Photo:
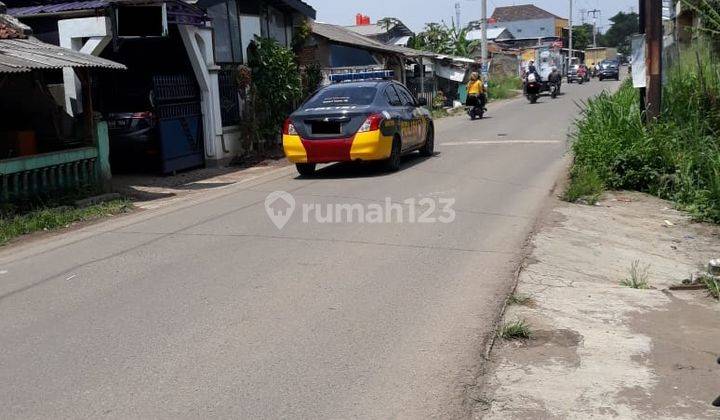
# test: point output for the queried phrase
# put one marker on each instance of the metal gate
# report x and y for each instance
(177, 104)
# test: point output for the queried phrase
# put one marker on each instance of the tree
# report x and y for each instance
(582, 36)
(709, 10)
(388, 23)
(624, 25)
(443, 39)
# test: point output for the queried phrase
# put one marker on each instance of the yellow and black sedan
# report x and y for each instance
(358, 120)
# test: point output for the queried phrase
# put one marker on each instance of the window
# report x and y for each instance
(405, 96)
(342, 96)
(519, 30)
(229, 101)
(226, 29)
(392, 96)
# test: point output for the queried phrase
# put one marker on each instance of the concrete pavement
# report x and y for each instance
(206, 309)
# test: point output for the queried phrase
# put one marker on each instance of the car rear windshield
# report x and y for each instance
(343, 96)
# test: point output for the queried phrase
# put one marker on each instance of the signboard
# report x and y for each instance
(637, 61)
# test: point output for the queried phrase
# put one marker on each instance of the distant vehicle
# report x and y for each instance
(363, 119)
(609, 70)
(533, 87)
(578, 73)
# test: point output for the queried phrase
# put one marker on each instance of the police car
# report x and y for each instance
(361, 117)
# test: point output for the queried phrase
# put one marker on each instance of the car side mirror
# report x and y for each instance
(422, 102)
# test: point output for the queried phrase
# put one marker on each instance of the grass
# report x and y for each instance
(503, 87)
(713, 285)
(585, 185)
(519, 299)
(438, 113)
(639, 276)
(52, 218)
(676, 157)
(516, 330)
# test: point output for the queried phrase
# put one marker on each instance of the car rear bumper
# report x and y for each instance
(362, 146)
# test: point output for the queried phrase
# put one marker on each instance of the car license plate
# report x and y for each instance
(117, 124)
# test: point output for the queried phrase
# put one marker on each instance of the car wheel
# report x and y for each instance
(306, 169)
(392, 164)
(429, 147)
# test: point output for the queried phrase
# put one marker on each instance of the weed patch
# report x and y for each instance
(52, 218)
(676, 157)
(585, 185)
(516, 330)
(639, 276)
(519, 299)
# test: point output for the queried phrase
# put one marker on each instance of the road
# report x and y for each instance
(206, 309)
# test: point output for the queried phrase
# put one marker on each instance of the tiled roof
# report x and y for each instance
(521, 12)
(24, 55)
(11, 28)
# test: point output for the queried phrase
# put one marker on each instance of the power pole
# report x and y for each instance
(651, 20)
(483, 42)
(594, 13)
(457, 14)
(570, 46)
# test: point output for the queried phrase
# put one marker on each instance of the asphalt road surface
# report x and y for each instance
(207, 309)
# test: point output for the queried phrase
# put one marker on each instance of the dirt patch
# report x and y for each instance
(600, 349)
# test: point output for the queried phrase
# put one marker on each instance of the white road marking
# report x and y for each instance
(71, 277)
(464, 143)
(3, 272)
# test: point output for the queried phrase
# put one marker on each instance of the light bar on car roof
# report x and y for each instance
(362, 75)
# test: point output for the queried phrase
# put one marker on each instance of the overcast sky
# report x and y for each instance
(415, 13)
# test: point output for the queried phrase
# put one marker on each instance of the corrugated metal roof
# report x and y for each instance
(342, 35)
(91, 5)
(345, 36)
(25, 11)
(24, 55)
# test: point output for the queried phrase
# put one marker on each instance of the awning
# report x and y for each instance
(25, 55)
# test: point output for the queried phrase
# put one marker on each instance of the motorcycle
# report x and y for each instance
(554, 90)
(532, 88)
(476, 107)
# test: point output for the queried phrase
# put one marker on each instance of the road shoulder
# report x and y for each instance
(601, 349)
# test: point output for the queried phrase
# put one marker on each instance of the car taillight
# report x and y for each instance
(372, 123)
(141, 115)
(289, 128)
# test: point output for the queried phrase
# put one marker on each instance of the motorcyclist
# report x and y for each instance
(555, 76)
(476, 92)
(532, 70)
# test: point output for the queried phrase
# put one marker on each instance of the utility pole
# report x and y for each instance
(483, 42)
(570, 46)
(594, 13)
(457, 14)
(651, 24)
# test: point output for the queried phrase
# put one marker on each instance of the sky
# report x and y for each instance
(415, 13)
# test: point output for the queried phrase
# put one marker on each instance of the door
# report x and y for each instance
(177, 105)
(418, 125)
(403, 115)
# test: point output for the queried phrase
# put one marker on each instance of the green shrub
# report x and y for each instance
(503, 87)
(676, 157)
(585, 184)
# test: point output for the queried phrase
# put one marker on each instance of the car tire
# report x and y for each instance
(428, 148)
(392, 164)
(306, 170)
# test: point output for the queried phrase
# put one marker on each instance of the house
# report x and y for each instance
(500, 34)
(394, 32)
(44, 151)
(528, 21)
(336, 49)
(170, 46)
